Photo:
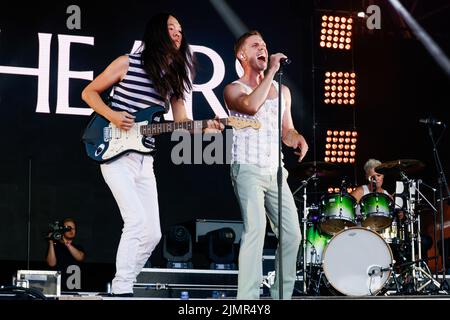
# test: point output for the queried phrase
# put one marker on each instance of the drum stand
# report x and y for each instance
(421, 278)
(316, 288)
(398, 286)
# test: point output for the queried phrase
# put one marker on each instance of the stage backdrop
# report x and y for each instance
(44, 65)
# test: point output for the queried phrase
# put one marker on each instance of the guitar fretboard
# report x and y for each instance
(191, 126)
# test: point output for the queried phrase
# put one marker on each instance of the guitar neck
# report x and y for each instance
(167, 127)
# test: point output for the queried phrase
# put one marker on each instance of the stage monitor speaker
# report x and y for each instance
(203, 226)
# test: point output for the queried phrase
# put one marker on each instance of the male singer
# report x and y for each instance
(254, 163)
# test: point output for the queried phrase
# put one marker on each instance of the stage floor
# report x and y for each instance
(96, 296)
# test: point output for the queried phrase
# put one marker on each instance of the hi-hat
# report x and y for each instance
(321, 169)
(402, 165)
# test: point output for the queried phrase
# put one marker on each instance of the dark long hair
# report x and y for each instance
(167, 67)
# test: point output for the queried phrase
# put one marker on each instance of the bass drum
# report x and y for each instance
(356, 262)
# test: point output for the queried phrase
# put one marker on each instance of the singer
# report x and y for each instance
(254, 164)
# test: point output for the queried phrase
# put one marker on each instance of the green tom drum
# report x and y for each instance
(376, 210)
(337, 211)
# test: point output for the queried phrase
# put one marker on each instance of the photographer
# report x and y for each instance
(64, 255)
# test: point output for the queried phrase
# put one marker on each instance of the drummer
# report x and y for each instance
(375, 184)
(375, 181)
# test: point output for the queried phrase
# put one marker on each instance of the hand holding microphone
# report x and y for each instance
(285, 61)
(278, 60)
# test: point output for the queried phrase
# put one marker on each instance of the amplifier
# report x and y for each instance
(47, 282)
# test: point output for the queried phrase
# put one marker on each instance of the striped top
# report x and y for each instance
(258, 147)
(136, 91)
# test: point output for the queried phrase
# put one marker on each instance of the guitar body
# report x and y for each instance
(105, 142)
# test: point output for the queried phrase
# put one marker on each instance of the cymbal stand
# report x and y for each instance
(419, 274)
(303, 186)
(435, 225)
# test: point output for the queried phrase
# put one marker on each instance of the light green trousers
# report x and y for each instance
(257, 194)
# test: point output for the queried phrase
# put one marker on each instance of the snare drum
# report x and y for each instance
(376, 210)
(337, 211)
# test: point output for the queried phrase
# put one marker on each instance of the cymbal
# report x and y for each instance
(404, 165)
(320, 168)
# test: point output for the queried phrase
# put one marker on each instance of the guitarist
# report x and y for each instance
(254, 165)
(158, 75)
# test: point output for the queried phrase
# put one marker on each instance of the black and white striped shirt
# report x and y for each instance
(136, 91)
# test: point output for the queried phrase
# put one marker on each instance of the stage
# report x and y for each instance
(363, 86)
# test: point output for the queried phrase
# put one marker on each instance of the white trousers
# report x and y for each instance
(133, 185)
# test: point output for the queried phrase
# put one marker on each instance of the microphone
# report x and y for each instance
(285, 61)
(344, 184)
(373, 181)
(377, 270)
(432, 121)
(420, 181)
(374, 271)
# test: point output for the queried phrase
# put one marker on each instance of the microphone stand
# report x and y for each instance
(280, 189)
(29, 213)
(442, 181)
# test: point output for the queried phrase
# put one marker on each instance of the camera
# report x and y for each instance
(57, 230)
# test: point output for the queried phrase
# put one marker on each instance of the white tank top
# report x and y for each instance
(258, 147)
(367, 191)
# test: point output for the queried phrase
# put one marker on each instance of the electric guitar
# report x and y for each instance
(105, 142)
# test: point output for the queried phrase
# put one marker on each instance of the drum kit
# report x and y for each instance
(370, 247)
